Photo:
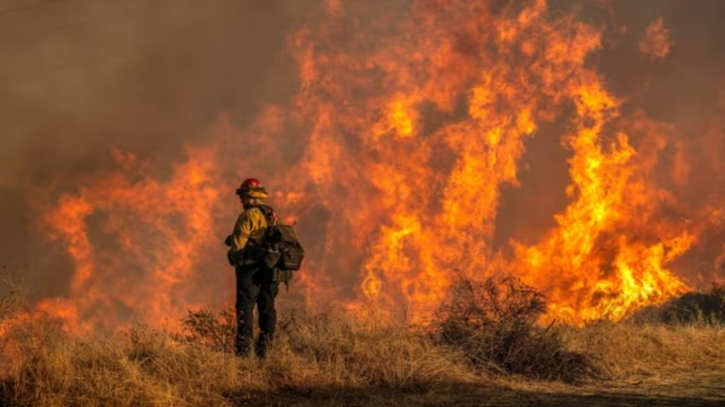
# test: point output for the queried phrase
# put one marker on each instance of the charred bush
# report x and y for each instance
(494, 323)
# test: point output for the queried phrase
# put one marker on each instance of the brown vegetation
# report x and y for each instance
(314, 353)
(495, 325)
(483, 345)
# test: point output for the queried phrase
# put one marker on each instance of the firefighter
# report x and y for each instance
(255, 283)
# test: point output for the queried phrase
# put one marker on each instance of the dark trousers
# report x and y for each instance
(254, 286)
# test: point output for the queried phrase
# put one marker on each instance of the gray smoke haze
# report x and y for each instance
(83, 75)
(79, 77)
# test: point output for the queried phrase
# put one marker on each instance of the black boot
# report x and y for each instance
(243, 345)
(264, 343)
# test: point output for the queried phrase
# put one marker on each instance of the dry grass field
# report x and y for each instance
(326, 360)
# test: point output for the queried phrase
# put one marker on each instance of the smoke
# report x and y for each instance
(81, 77)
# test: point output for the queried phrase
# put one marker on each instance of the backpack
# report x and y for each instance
(278, 248)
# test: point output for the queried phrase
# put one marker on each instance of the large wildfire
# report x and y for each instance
(407, 158)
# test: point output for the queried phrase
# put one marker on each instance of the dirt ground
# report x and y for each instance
(701, 390)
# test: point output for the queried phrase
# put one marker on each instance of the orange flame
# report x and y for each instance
(408, 126)
(144, 247)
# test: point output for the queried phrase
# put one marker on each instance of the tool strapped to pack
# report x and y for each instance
(278, 247)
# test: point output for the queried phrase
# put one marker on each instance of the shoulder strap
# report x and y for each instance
(268, 213)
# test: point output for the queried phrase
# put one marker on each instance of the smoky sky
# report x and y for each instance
(78, 77)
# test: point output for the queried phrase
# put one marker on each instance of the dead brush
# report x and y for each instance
(494, 323)
(209, 328)
(696, 308)
(707, 308)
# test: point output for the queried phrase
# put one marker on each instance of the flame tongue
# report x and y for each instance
(593, 265)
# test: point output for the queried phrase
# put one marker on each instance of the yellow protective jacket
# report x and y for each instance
(251, 222)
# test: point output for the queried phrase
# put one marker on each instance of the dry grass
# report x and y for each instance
(147, 367)
(143, 370)
(651, 350)
(321, 359)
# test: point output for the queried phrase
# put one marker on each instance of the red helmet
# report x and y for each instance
(250, 183)
(251, 187)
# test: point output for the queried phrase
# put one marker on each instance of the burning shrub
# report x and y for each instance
(494, 324)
